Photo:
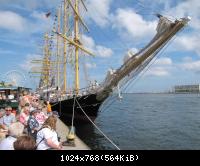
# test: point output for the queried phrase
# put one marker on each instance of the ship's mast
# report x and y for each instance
(73, 41)
(76, 39)
(65, 45)
(58, 48)
(46, 60)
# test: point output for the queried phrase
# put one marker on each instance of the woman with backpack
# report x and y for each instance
(47, 137)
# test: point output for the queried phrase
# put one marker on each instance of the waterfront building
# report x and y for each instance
(187, 88)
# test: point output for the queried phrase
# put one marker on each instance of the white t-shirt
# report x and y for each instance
(8, 119)
(7, 143)
(45, 134)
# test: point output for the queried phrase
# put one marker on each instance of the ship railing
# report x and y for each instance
(92, 89)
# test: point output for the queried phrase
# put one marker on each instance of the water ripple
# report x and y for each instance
(149, 122)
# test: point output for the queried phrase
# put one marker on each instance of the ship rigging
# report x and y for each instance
(59, 74)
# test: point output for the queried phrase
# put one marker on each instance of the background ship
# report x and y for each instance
(62, 50)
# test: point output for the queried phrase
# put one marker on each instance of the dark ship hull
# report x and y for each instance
(89, 104)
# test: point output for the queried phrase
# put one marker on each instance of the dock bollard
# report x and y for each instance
(70, 138)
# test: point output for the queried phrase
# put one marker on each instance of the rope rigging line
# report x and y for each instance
(142, 6)
(137, 77)
(151, 11)
(105, 103)
(73, 112)
(111, 100)
(116, 96)
(148, 67)
(60, 107)
(97, 127)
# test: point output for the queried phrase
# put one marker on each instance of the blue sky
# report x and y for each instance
(115, 27)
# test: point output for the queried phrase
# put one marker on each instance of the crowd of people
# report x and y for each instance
(31, 127)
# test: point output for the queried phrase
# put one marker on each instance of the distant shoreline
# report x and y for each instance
(158, 93)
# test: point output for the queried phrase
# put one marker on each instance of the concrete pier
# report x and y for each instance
(63, 131)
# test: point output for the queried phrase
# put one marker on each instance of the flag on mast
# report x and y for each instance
(48, 14)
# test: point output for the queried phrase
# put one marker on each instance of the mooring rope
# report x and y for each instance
(73, 112)
(98, 127)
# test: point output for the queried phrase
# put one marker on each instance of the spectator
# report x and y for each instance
(33, 124)
(2, 130)
(15, 130)
(24, 116)
(41, 117)
(35, 102)
(24, 99)
(48, 107)
(2, 112)
(8, 118)
(24, 143)
(47, 137)
(22, 108)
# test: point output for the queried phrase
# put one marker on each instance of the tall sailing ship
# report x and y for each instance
(63, 49)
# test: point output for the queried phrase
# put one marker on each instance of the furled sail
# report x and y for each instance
(166, 29)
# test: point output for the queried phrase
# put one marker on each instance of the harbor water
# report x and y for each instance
(147, 122)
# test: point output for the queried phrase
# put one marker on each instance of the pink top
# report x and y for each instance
(41, 117)
(23, 118)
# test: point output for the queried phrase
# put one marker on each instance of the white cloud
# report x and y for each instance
(191, 66)
(99, 11)
(187, 8)
(98, 50)
(161, 67)
(103, 51)
(40, 23)
(188, 39)
(128, 21)
(164, 61)
(157, 71)
(165, 67)
(27, 65)
(39, 15)
(88, 42)
(91, 65)
(12, 21)
(30, 4)
(188, 42)
(187, 59)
